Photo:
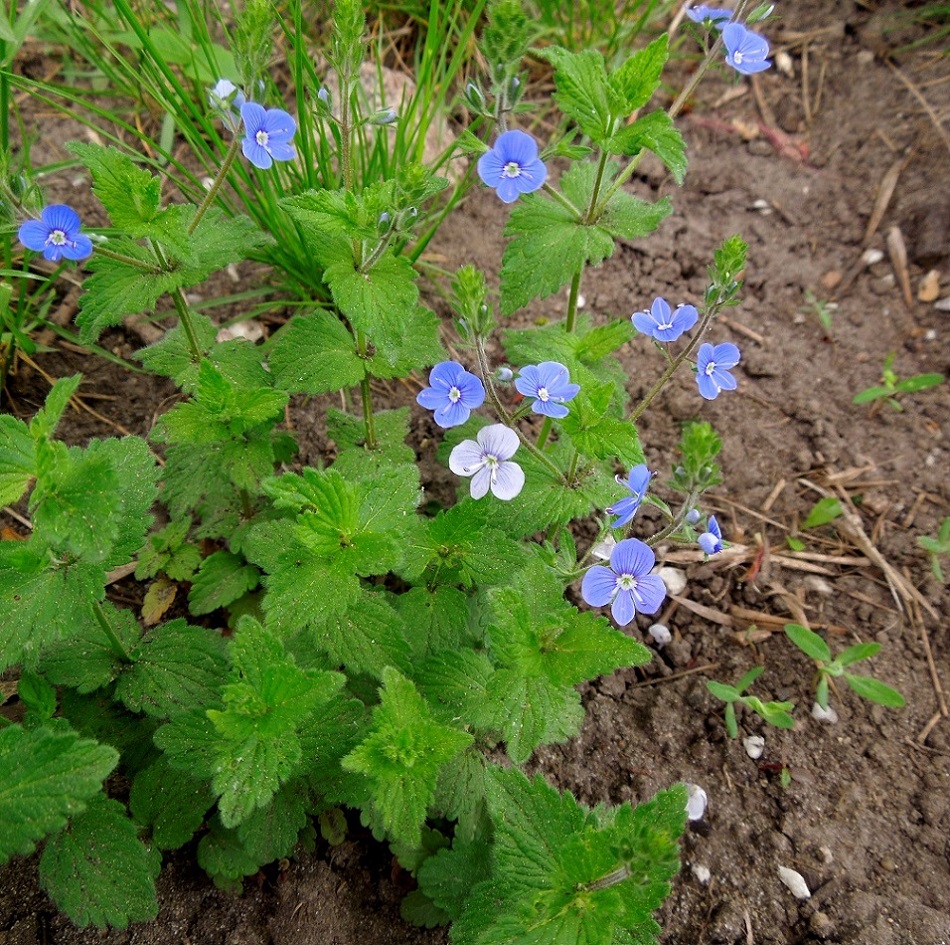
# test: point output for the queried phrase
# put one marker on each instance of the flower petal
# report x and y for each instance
(517, 146)
(528, 381)
(507, 189)
(253, 116)
(708, 388)
(491, 168)
(623, 609)
(644, 322)
(649, 593)
(58, 216)
(599, 586)
(447, 372)
(465, 458)
(532, 176)
(499, 440)
(638, 480)
(626, 508)
(279, 125)
(684, 317)
(431, 398)
(509, 481)
(632, 556)
(481, 482)
(726, 355)
(451, 415)
(550, 409)
(257, 155)
(281, 151)
(80, 248)
(724, 380)
(33, 235)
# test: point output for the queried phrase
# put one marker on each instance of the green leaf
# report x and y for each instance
(168, 550)
(808, 642)
(547, 248)
(597, 435)
(268, 698)
(170, 802)
(657, 133)
(391, 427)
(582, 90)
(17, 459)
(222, 579)
(43, 425)
(402, 757)
(860, 651)
(630, 218)
(875, 691)
(132, 196)
(48, 776)
(438, 617)
(189, 742)
(174, 667)
(222, 855)
(98, 871)
(449, 877)
(824, 511)
(749, 677)
(271, 832)
(315, 354)
(633, 84)
(455, 684)
(172, 356)
(919, 382)
(723, 691)
(42, 600)
(87, 660)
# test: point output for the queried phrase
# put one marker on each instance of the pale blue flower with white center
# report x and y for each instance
(746, 52)
(663, 323)
(627, 584)
(711, 539)
(712, 369)
(512, 166)
(637, 482)
(549, 383)
(704, 14)
(56, 234)
(267, 135)
(453, 393)
(487, 459)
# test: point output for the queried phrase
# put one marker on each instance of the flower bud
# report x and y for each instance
(693, 516)
(504, 374)
(385, 116)
(475, 97)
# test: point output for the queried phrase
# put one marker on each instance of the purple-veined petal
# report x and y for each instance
(549, 408)
(638, 480)
(709, 543)
(281, 151)
(491, 168)
(644, 322)
(58, 216)
(448, 372)
(622, 609)
(501, 441)
(33, 235)
(684, 317)
(532, 176)
(724, 380)
(253, 115)
(517, 146)
(256, 154)
(431, 398)
(599, 586)
(81, 247)
(509, 481)
(472, 390)
(708, 388)
(632, 556)
(507, 189)
(279, 125)
(625, 509)
(481, 482)
(465, 458)
(649, 593)
(528, 381)
(726, 355)
(451, 415)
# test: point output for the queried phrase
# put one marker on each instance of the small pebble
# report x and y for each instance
(696, 802)
(795, 882)
(603, 548)
(783, 62)
(871, 257)
(821, 926)
(701, 873)
(943, 305)
(824, 715)
(660, 633)
(754, 746)
(674, 579)
(929, 290)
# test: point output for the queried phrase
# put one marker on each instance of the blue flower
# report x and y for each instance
(626, 508)
(627, 584)
(267, 134)
(549, 384)
(453, 393)
(711, 539)
(486, 460)
(712, 369)
(701, 14)
(512, 166)
(56, 234)
(662, 323)
(746, 51)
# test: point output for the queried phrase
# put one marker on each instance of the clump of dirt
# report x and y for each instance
(861, 809)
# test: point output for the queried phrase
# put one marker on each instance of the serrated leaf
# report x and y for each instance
(223, 857)
(597, 435)
(172, 356)
(455, 684)
(657, 133)
(633, 84)
(415, 345)
(391, 428)
(42, 600)
(271, 832)
(189, 742)
(43, 425)
(222, 579)
(630, 218)
(48, 776)
(168, 550)
(449, 877)
(175, 666)
(580, 80)
(438, 618)
(402, 757)
(17, 459)
(87, 660)
(170, 802)
(315, 354)
(98, 871)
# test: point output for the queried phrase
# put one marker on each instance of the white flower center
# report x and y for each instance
(455, 395)
(626, 582)
(57, 238)
(710, 368)
(737, 57)
(543, 395)
(262, 137)
(664, 326)
(512, 169)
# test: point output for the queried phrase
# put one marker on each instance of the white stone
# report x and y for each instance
(871, 256)
(696, 802)
(795, 882)
(603, 548)
(660, 633)
(754, 746)
(943, 305)
(783, 62)
(674, 579)
(701, 873)
(824, 715)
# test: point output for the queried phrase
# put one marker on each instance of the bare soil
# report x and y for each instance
(795, 167)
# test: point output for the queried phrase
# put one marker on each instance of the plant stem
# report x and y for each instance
(100, 250)
(570, 321)
(611, 879)
(115, 644)
(677, 522)
(544, 433)
(216, 184)
(181, 307)
(369, 422)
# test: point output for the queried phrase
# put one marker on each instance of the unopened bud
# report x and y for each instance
(383, 221)
(504, 374)
(475, 96)
(385, 116)
(693, 516)
(324, 96)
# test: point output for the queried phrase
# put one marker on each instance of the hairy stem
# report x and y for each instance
(575, 291)
(215, 185)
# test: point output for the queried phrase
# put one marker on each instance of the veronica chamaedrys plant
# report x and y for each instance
(549, 386)
(663, 323)
(487, 459)
(627, 584)
(268, 135)
(512, 166)
(713, 369)
(56, 234)
(453, 393)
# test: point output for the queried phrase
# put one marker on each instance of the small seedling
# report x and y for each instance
(775, 713)
(823, 311)
(892, 386)
(867, 687)
(936, 547)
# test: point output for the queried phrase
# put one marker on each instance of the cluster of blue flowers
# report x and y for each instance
(746, 51)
